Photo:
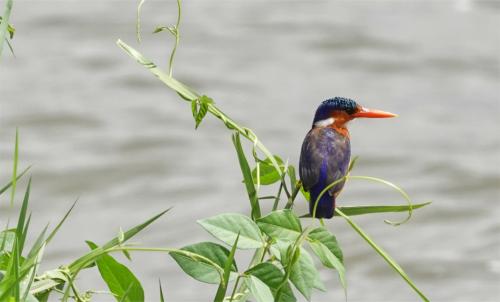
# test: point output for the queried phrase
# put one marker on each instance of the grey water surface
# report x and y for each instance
(97, 126)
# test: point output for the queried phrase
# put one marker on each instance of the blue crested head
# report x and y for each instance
(328, 106)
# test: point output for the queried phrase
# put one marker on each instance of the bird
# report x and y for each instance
(326, 151)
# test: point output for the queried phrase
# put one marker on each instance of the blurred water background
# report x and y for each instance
(99, 127)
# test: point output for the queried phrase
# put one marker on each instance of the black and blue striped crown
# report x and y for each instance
(334, 104)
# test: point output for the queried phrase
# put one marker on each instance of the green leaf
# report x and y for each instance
(281, 225)
(83, 261)
(16, 154)
(7, 186)
(259, 289)
(162, 299)
(318, 284)
(202, 270)
(4, 25)
(303, 274)
(267, 172)
(328, 259)
(247, 177)
(279, 249)
(194, 108)
(352, 163)
(382, 253)
(226, 228)
(132, 232)
(120, 280)
(61, 222)
(202, 108)
(221, 291)
(10, 29)
(22, 227)
(43, 297)
(325, 246)
(273, 277)
(7, 238)
(361, 210)
(323, 236)
(35, 256)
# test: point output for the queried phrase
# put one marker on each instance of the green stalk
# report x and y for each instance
(190, 95)
(138, 21)
(234, 288)
(382, 253)
(84, 261)
(375, 179)
(177, 39)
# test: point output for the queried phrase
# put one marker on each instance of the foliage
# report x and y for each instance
(283, 244)
(6, 30)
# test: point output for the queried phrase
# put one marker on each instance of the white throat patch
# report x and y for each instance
(325, 123)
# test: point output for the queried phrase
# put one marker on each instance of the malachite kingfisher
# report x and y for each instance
(326, 151)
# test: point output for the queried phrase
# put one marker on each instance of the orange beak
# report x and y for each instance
(372, 113)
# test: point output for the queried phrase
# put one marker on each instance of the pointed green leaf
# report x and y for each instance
(226, 227)
(247, 177)
(84, 260)
(120, 280)
(303, 274)
(194, 108)
(10, 29)
(273, 277)
(318, 284)
(326, 238)
(329, 260)
(16, 154)
(162, 299)
(7, 238)
(267, 172)
(7, 186)
(281, 225)
(61, 222)
(221, 291)
(259, 289)
(325, 246)
(199, 269)
(22, 227)
(203, 102)
(361, 210)
(131, 232)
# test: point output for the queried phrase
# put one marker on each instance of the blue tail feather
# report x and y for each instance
(326, 205)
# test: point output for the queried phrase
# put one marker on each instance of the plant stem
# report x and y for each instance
(295, 192)
(177, 39)
(277, 200)
(189, 94)
(234, 288)
(382, 253)
(266, 248)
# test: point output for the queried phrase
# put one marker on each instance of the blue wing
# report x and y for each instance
(324, 158)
